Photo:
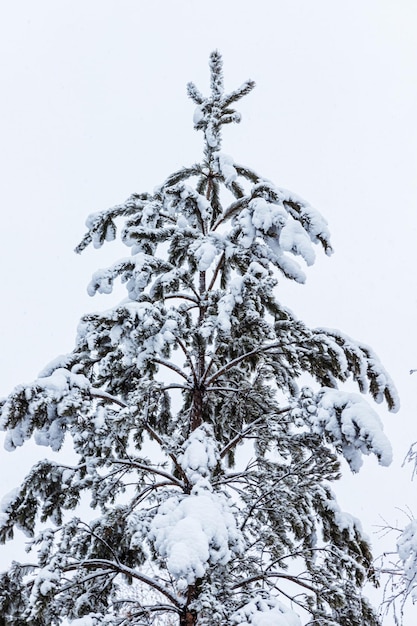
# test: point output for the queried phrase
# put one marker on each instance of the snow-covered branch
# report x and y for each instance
(127, 571)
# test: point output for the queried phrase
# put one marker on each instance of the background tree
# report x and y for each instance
(400, 564)
(232, 520)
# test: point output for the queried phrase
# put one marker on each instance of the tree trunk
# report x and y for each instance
(189, 618)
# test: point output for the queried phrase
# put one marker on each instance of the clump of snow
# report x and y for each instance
(265, 215)
(212, 135)
(281, 231)
(6, 504)
(226, 168)
(247, 227)
(62, 380)
(293, 238)
(288, 266)
(265, 612)
(228, 302)
(199, 113)
(182, 222)
(200, 454)
(8, 499)
(349, 422)
(205, 253)
(407, 551)
(195, 531)
(313, 222)
(45, 582)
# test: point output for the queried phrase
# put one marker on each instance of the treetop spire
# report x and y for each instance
(212, 112)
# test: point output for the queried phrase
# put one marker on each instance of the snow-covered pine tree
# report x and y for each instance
(233, 522)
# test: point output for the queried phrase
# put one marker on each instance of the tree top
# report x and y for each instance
(214, 111)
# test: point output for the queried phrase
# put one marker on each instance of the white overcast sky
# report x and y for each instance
(93, 107)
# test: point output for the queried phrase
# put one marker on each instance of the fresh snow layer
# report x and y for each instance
(265, 612)
(195, 531)
(407, 551)
(349, 421)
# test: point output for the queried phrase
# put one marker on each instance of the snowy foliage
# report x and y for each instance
(233, 521)
(401, 564)
(407, 551)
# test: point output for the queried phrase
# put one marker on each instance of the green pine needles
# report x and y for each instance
(206, 461)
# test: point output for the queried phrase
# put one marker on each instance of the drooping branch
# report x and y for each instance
(127, 571)
(234, 208)
(97, 393)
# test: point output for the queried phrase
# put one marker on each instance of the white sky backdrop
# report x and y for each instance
(93, 108)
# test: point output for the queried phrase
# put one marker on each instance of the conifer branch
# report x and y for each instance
(127, 571)
(295, 579)
(153, 434)
(98, 393)
(188, 359)
(85, 579)
(234, 208)
(216, 271)
(233, 442)
(172, 367)
(194, 94)
(237, 94)
(238, 360)
(181, 296)
(150, 469)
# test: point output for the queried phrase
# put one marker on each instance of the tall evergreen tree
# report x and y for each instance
(233, 521)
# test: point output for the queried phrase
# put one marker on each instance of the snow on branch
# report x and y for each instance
(264, 610)
(101, 225)
(43, 409)
(347, 421)
(212, 112)
(361, 362)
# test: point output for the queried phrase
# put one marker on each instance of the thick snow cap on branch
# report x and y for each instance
(199, 530)
(349, 422)
(265, 612)
(54, 394)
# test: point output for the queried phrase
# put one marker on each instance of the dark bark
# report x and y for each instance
(189, 617)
